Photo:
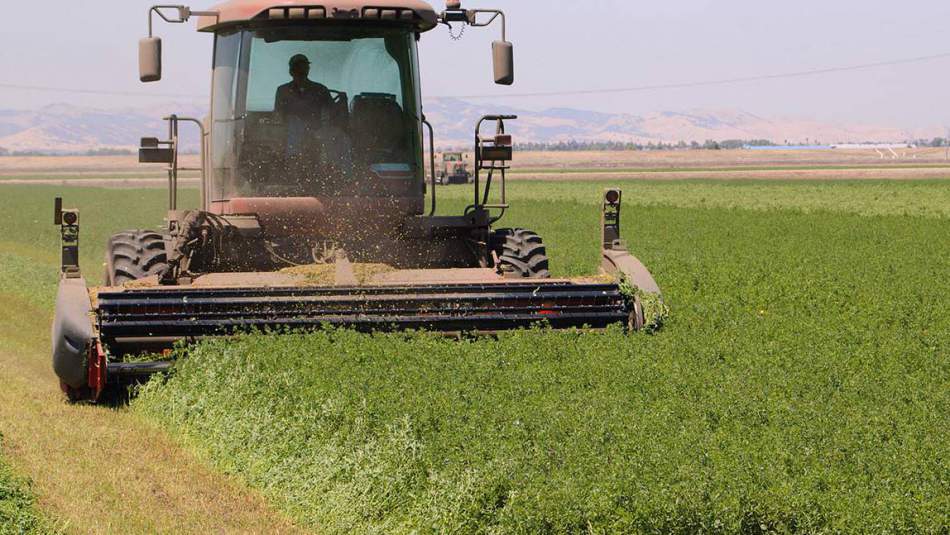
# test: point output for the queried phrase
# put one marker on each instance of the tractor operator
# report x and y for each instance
(317, 150)
(301, 104)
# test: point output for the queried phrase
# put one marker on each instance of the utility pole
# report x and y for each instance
(946, 143)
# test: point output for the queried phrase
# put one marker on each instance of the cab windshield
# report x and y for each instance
(315, 111)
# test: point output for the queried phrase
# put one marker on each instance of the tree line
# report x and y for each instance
(709, 144)
(573, 145)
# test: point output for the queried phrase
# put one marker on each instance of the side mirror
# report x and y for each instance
(503, 59)
(150, 59)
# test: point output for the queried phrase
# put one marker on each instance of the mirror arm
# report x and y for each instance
(470, 17)
(495, 13)
(184, 14)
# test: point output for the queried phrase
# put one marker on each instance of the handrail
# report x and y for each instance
(431, 161)
(173, 168)
(499, 129)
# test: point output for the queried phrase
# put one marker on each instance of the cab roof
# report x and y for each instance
(415, 12)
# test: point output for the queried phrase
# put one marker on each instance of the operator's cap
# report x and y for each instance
(297, 59)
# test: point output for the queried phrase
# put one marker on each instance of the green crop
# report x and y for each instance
(655, 310)
(798, 385)
(929, 198)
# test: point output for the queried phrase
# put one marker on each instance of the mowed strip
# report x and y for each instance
(18, 512)
(96, 469)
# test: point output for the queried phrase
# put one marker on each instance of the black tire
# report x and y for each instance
(133, 255)
(521, 254)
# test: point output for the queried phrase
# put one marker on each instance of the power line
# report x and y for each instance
(706, 83)
(102, 92)
(633, 89)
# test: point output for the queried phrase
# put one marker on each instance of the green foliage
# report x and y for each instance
(655, 310)
(799, 385)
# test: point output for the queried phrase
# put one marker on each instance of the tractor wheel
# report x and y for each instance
(133, 255)
(521, 254)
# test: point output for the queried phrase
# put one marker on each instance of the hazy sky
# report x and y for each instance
(559, 46)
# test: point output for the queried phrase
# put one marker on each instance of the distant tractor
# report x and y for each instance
(454, 169)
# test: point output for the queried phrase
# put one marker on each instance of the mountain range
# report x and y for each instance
(64, 128)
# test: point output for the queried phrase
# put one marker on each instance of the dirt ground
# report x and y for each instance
(880, 173)
(80, 165)
(670, 159)
(120, 181)
(730, 158)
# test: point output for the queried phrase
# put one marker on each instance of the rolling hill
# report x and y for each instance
(64, 128)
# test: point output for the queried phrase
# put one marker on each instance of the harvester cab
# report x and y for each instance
(316, 208)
